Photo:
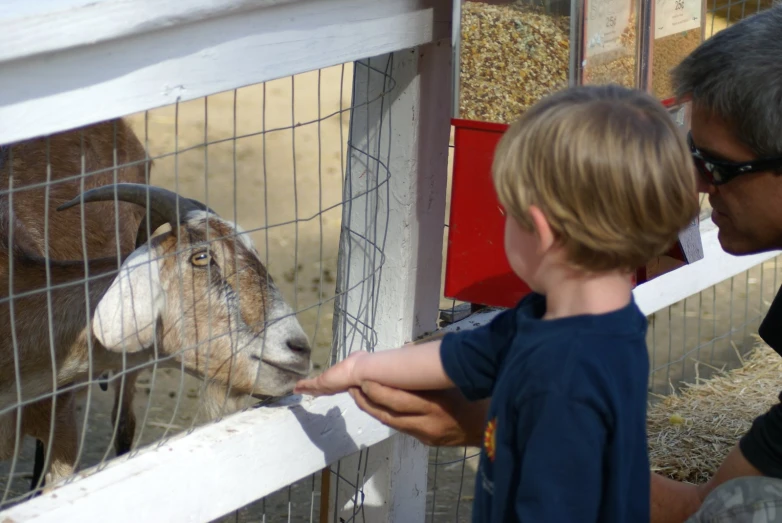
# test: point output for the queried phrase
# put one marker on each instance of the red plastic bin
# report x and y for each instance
(476, 269)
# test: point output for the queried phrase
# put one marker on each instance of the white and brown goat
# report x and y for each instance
(196, 297)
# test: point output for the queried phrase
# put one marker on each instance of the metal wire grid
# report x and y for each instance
(710, 330)
(366, 176)
(225, 150)
(723, 13)
(700, 335)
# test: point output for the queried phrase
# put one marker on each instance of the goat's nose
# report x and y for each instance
(299, 345)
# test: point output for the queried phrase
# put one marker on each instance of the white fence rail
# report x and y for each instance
(66, 64)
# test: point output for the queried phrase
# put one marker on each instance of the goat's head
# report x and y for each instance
(201, 292)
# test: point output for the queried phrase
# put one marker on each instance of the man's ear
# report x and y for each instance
(542, 229)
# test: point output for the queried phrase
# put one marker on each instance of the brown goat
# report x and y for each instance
(60, 167)
(196, 297)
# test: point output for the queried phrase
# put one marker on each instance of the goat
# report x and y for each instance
(52, 165)
(198, 296)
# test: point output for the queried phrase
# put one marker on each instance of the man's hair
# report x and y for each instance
(737, 75)
(607, 166)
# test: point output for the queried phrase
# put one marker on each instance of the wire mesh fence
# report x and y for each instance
(352, 327)
(723, 13)
(269, 158)
(711, 330)
(279, 160)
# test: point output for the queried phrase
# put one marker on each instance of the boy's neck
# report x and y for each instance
(572, 294)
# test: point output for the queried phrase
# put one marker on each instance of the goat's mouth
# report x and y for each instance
(298, 372)
(265, 398)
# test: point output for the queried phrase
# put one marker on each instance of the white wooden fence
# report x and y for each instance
(65, 63)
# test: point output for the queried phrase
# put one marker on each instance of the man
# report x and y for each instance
(734, 81)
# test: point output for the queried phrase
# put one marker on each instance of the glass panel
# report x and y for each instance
(610, 42)
(511, 53)
(678, 29)
(724, 13)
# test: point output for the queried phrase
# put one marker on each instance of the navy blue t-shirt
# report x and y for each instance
(565, 438)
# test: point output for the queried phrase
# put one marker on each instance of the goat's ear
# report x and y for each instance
(126, 316)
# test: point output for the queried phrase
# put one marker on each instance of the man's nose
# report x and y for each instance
(702, 184)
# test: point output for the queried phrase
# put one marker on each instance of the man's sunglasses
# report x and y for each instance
(718, 172)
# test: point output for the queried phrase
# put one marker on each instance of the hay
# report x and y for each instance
(690, 433)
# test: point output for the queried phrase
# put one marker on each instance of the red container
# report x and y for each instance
(476, 269)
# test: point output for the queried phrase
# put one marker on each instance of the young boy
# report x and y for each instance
(594, 182)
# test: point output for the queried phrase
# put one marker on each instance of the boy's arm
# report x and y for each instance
(467, 360)
(412, 367)
(561, 469)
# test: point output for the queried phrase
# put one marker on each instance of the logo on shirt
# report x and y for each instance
(489, 438)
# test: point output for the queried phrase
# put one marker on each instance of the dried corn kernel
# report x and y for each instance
(511, 56)
(514, 54)
(666, 54)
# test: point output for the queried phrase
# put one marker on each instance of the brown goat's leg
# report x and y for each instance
(122, 414)
(40, 459)
(65, 443)
(35, 422)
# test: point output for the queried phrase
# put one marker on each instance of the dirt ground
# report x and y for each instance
(284, 186)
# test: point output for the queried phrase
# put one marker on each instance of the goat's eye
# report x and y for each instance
(201, 259)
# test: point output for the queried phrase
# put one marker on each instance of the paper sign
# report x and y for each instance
(679, 115)
(676, 16)
(690, 242)
(605, 21)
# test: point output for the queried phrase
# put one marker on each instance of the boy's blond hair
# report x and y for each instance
(609, 169)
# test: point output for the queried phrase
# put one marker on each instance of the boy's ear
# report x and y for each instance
(542, 228)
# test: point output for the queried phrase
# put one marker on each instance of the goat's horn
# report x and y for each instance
(162, 204)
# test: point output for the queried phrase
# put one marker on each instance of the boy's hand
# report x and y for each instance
(334, 380)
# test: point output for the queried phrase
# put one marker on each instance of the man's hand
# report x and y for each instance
(673, 501)
(436, 418)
